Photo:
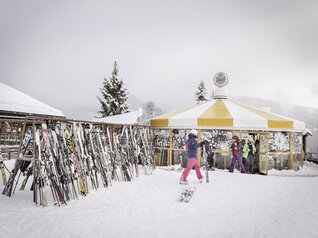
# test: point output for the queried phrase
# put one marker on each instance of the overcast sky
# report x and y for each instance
(59, 51)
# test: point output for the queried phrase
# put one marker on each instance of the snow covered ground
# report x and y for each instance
(231, 205)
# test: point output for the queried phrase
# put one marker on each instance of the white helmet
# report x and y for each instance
(194, 132)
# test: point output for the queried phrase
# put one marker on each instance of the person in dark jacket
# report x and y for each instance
(192, 148)
(209, 154)
(237, 152)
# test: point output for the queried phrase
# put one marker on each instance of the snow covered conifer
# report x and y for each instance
(201, 93)
(150, 110)
(114, 95)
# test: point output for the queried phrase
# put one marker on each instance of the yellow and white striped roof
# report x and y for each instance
(226, 114)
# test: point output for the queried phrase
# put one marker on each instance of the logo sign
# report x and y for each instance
(220, 79)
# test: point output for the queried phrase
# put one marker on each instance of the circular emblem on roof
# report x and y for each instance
(220, 79)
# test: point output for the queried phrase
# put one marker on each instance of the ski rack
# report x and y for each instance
(70, 157)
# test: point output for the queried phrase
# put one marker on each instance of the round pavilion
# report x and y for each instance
(278, 139)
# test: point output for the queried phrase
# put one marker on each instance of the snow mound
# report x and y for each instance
(310, 169)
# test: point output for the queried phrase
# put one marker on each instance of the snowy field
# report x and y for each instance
(231, 205)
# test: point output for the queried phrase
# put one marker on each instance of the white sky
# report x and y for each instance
(59, 51)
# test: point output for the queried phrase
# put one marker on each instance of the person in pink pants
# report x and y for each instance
(192, 148)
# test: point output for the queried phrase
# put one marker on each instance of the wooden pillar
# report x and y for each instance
(34, 162)
(170, 148)
(259, 152)
(199, 149)
(291, 164)
(22, 136)
(231, 151)
(111, 136)
(267, 152)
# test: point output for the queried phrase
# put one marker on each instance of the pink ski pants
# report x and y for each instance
(186, 171)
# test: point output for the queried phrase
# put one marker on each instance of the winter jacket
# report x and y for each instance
(192, 146)
(252, 147)
(249, 148)
(237, 148)
(246, 150)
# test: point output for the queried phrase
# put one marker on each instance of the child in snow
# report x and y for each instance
(192, 148)
(237, 150)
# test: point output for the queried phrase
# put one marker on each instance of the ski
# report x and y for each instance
(205, 164)
(103, 159)
(28, 173)
(3, 173)
(135, 150)
(10, 187)
(42, 180)
(187, 193)
(79, 172)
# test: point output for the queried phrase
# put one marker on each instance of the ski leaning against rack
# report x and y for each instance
(187, 193)
(28, 173)
(9, 187)
(205, 164)
(41, 183)
(3, 173)
(104, 159)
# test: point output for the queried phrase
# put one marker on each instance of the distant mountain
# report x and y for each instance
(308, 115)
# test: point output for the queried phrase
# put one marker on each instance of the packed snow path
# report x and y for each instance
(231, 205)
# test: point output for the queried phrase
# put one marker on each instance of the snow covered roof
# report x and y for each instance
(307, 132)
(226, 114)
(129, 118)
(12, 100)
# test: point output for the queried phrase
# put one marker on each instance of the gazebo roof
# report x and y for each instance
(226, 114)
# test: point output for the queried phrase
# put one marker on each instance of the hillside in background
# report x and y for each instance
(308, 115)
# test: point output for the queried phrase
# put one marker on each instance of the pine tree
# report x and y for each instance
(114, 95)
(201, 93)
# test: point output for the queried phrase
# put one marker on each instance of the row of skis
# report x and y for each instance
(71, 159)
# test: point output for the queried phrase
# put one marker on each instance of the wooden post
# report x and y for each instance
(291, 162)
(267, 152)
(259, 153)
(170, 148)
(22, 136)
(34, 162)
(111, 136)
(199, 149)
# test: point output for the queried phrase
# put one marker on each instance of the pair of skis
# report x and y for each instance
(187, 193)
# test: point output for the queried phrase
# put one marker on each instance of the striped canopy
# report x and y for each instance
(226, 114)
